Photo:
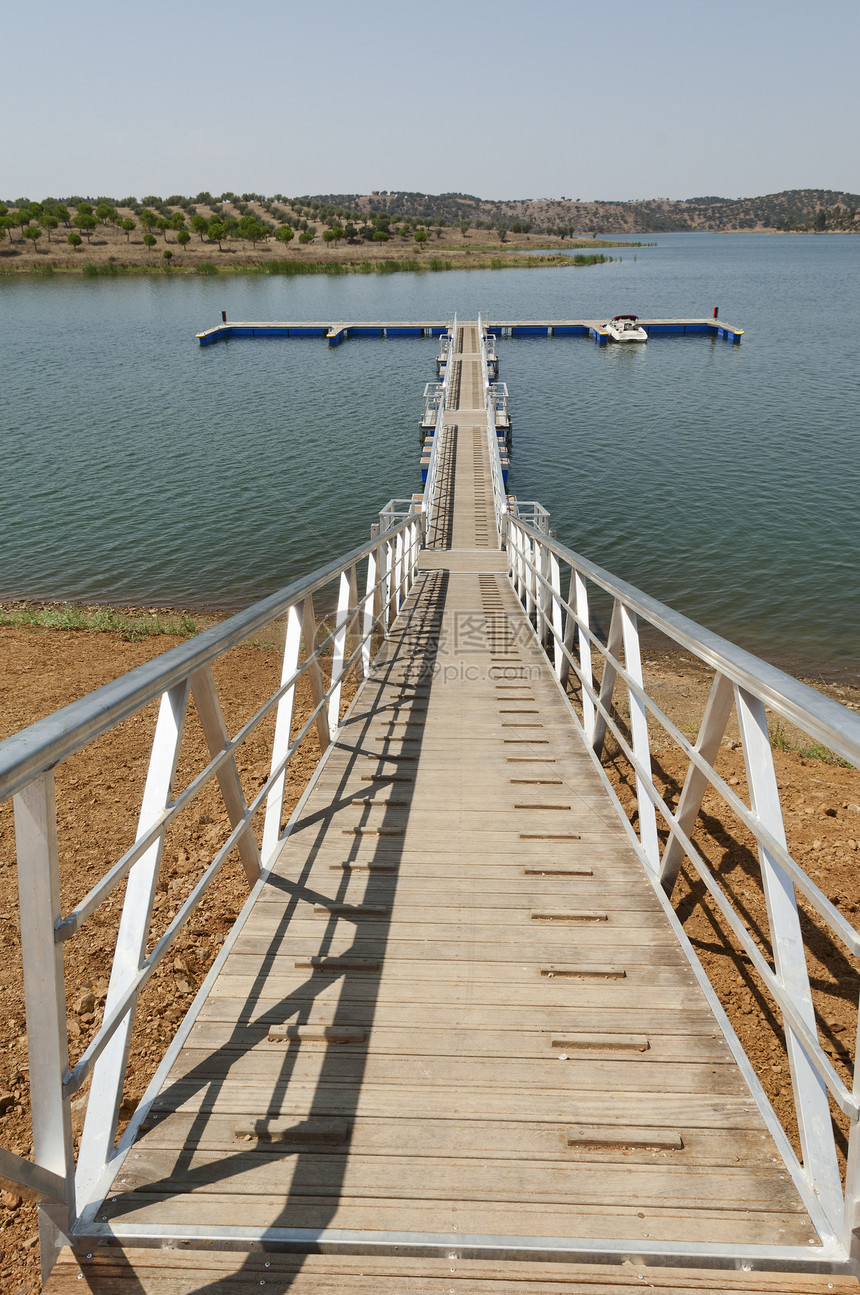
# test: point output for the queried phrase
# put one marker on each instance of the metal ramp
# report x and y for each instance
(457, 1039)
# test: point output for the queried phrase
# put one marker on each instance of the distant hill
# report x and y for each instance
(791, 209)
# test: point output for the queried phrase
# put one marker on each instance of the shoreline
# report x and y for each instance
(112, 268)
(109, 253)
(135, 620)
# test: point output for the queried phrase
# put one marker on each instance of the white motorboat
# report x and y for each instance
(626, 328)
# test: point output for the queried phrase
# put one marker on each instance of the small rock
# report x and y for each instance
(85, 1002)
(184, 987)
(179, 965)
(7, 1101)
(9, 1200)
(30, 1242)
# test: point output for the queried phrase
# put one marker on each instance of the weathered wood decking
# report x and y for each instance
(458, 1009)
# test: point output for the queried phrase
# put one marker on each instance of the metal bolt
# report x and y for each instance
(267, 1264)
(89, 1256)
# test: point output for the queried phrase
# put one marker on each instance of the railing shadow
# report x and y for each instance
(338, 1085)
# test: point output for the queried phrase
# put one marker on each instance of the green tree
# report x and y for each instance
(215, 230)
(251, 230)
(162, 225)
(61, 211)
(168, 256)
(421, 236)
(74, 240)
(33, 232)
(381, 236)
(85, 223)
(84, 209)
(285, 234)
(150, 240)
(128, 225)
(48, 222)
(148, 219)
(199, 224)
(306, 236)
(183, 238)
(177, 221)
(104, 213)
(328, 236)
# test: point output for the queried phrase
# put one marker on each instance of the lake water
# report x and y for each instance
(725, 480)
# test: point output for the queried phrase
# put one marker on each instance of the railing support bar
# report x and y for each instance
(215, 732)
(711, 732)
(607, 683)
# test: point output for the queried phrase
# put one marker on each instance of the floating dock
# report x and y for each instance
(335, 333)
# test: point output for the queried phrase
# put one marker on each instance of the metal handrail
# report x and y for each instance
(27, 762)
(438, 435)
(752, 686)
(832, 725)
(500, 502)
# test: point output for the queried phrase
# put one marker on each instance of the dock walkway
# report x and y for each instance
(457, 1037)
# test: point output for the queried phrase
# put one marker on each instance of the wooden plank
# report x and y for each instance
(238, 1097)
(512, 1139)
(734, 1224)
(667, 1182)
(494, 1075)
(151, 1271)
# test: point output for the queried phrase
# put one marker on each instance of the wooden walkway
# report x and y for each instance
(458, 1008)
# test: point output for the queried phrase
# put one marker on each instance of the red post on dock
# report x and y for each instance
(224, 316)
(716, 312)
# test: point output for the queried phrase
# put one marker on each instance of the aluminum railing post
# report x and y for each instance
(851, 1212)
(711, 732)
(641, 744)
(557, 618)
(811, 1105)
(281, 740)
(346, 587)
(372, 605)
(97, 1140)
(45, 998)
(577, 581)
(398, 571)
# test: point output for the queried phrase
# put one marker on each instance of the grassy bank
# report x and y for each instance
(132, 624)
(113, 268)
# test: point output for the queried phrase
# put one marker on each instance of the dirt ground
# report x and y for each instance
(98, 794)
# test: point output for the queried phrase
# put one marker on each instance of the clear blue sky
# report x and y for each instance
(664, 98)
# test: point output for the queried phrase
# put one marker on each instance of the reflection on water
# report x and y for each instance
(721, 479)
